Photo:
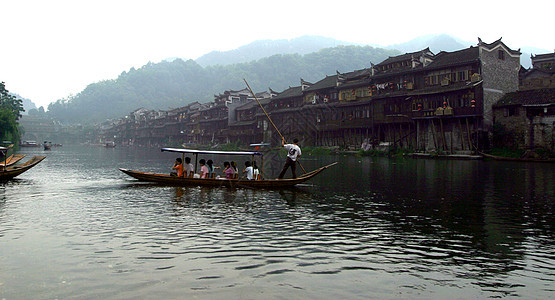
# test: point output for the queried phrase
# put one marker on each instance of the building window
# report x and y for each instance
(512, 111)
(546, 66)
(501, 54)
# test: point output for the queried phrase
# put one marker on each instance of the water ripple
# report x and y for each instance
(412, 229)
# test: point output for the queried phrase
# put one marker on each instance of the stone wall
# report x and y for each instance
(543, 129)
(518, 131)
(500, 76)
(511, 131)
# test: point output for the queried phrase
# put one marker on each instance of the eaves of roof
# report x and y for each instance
(326, 83)
(289, 93)
(529, 97)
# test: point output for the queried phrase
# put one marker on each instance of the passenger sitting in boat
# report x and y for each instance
(188, 167)
(235, 171)
(228, 170)
(209, 164)
(255, 171)
(178, 166)
(203, 169)
(248, 170)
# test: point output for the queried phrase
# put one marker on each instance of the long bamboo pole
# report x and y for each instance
(270, 119)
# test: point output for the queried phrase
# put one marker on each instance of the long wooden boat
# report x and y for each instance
(11, 160)
(495, 157)
(240, 182)
(14, 170)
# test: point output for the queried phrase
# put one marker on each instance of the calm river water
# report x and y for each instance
(75, 227)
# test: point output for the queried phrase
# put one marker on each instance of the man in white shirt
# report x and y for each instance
(248, 170)
(293, 152)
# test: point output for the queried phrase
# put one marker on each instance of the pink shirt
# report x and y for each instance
(203, 171)
(229, 173)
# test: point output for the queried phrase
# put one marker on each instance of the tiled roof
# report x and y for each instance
(355, 83)
(495, 44)
(289, 93)
(531, 97)
(544, 56)
(404, 57)
(357, 73)
(461, 57)
(253, 103)
(537, 73)
(326, 83)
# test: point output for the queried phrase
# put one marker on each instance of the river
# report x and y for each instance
(75, 227)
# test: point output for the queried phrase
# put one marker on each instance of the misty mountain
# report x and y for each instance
(176, 83)
(265, 48)
(27, 103)
(437, 43)
(525, 60)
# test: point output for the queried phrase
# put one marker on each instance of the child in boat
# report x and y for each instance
(248, 170)
(203, 169)
(228, 170)
(178, 166)
(188, 167)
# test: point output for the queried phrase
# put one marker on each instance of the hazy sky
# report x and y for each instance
(52, 49)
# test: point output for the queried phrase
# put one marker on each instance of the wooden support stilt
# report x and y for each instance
(468, 134)
(443, 135)
(451, 140)
(461, 135)
(434, 134)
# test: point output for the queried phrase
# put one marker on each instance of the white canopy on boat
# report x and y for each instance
(193, 151)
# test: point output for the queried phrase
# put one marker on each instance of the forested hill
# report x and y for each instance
(173, 84)
(265, 48)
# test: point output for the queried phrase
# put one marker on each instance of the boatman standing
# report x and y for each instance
(293, 152)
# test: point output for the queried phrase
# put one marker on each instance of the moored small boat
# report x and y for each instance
(11, 160)
(29, 144)
(15, 170)
(523, 159)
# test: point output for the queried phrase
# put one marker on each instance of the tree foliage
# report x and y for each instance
(10, 102)
(10, 111)
(173, 84)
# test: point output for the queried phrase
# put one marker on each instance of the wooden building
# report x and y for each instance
(422, 101)
(541, 75)
(526, 120)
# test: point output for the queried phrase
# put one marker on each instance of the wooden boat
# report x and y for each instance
(14, 170)
(11, 160)
(29, 144)
(495, 157)
(240, 182)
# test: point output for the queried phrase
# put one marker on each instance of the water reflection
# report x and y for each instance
(370, 228)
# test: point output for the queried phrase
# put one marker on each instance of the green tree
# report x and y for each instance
(10, 111)
(8, 126)
(10, 102)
